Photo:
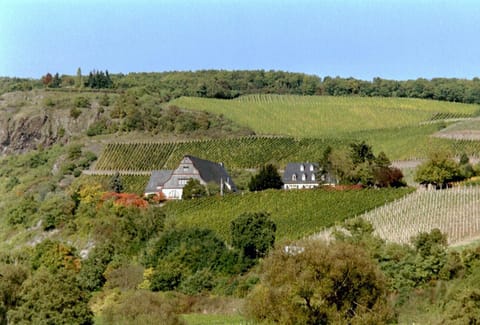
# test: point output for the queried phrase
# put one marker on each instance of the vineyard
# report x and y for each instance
(244, 152)
(454, 211)
(252, 152)
(296, 213)
(325, 116)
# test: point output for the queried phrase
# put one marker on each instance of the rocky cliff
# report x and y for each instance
(29, 120)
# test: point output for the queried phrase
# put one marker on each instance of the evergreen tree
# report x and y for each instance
(268, 177)
(116, 184)
(56, 81)
(79, 79)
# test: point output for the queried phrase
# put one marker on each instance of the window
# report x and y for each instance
(185, 168)
(313, 177)
(304, 177)
(294, 177)
(302, 168)
(182, 181)
(311, 168)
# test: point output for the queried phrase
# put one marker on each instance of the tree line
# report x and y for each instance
(231, 84)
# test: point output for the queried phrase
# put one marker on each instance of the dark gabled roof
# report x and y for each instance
(158, 178)
(295, 168)
(211, 171)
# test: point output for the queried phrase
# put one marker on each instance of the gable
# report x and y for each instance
(300, 173)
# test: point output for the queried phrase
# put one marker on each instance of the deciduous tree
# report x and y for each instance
(253, 234)
(320, 284)
(193, 189)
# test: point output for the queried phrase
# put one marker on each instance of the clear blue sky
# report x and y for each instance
(395, 39)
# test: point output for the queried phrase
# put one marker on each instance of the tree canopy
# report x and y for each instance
(253, 234)
(267, 177)
(320, 284)
(438, 170)
(193, 189)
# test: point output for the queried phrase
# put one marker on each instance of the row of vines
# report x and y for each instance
(252, 152)
(454, 211)
(296, 213)
(244, 152)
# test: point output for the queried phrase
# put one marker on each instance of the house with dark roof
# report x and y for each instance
(301, 175)
(171, 182)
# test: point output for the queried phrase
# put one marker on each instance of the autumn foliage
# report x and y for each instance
(125, 199)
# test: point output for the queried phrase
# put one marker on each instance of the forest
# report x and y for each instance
(231, 84)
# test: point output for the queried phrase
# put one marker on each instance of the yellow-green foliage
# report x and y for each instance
(296, 213)
(319, 116)
(131, 183)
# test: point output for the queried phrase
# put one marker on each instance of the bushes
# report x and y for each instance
(140, 307)
(81, 102)
(51, 298)
(183, 258)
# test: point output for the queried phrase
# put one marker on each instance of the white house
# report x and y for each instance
(300, 176)
(171, 182)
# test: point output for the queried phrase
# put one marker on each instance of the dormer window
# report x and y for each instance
(313, 177)
(294, 177)
(304, 177)
(302, 168)
(311, 168)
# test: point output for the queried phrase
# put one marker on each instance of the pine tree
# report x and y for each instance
(79, 79)
(116, 184)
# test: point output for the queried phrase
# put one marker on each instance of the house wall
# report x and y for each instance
(299, 186)
(173, 188)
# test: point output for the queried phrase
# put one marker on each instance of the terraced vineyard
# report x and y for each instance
(296, 213)
(454, 211)
(245, 152)
(252, 152)
(325, 116)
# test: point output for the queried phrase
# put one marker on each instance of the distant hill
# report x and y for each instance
(399, 126)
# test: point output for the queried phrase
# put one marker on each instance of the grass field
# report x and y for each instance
(209, 319)
(325, 116)
(296, 213)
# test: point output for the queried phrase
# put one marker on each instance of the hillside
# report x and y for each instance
(326, 116)
(454, 211)
(43, 117)
(55, 217)
(401, 127)
(296, 213)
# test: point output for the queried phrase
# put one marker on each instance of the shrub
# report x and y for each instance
(81, 102)
(193, 189)
(202, 280)
(12, 182)
(75, 112)
(141, 307)
(51, 298)
(97, 128)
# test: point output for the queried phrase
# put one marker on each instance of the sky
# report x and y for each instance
(392, 39)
